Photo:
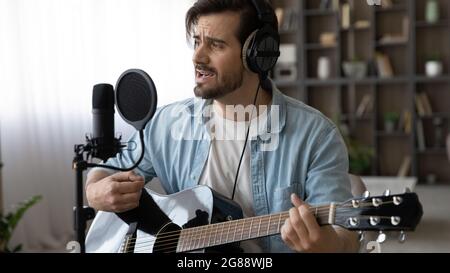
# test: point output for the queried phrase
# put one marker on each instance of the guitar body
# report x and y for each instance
(189, 208)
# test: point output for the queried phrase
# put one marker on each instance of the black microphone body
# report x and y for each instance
(104, 144)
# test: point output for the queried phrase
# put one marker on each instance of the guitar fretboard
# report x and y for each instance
(243, 229)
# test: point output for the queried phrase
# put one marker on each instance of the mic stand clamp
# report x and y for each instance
(82, 213)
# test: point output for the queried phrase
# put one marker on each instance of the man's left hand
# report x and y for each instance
(302, 233)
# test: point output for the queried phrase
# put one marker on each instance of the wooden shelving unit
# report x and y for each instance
(339, 97)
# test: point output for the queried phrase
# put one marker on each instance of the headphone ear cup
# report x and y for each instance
(261, 51)
(245, 51)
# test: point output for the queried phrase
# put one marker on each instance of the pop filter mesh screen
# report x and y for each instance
(133, 97)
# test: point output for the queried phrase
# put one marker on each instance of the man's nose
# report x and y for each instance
(200, 55)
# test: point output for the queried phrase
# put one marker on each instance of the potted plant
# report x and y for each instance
(433, 66)
(390, 121)
(355, 68)
(9, 222)
(359, 155)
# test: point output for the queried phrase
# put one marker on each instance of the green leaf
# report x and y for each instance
(9, 222)
(22, 208)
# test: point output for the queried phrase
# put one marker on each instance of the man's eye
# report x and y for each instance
(216, 45)
(196, 43)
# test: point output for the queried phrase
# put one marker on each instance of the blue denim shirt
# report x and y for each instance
(300, 152)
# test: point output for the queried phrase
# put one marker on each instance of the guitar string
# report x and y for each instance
(312, 209)
(174, 244)
(198, 234)
(319, 210)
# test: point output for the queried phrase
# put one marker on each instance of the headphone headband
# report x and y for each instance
(263, 11)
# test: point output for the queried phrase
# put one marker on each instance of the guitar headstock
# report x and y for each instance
(387, 212)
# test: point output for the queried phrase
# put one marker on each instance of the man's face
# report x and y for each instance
(217, 55)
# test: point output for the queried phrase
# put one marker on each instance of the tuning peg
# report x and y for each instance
(366, 194)
(377, 202)
(397, 200)
(361, 235)
(374, 220)
(381, 237)
(407, 190)
(353, 221)
(387, 192)
(355, 203)
(402, 237)
(395, 220)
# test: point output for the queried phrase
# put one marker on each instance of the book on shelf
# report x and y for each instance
(384, 65)
(287, 19)
(420, 136)
(404, 167)
(426, 103)
(386, 4)
(406, 122)
(364, 106)
(335, 5)
(324, 4)
(345, 16)
(397, 38)
(423, 105)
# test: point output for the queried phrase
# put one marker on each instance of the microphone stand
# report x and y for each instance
(82, 213)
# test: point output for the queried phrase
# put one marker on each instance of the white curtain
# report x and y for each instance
(52, 52)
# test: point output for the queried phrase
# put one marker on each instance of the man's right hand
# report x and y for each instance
(115, 193)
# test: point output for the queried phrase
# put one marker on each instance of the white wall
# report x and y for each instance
(52, 52)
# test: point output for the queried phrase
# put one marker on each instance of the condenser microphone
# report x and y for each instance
(104, 144)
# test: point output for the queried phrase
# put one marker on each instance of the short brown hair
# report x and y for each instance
(249, 18)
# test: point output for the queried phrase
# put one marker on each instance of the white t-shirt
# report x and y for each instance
(227, 142)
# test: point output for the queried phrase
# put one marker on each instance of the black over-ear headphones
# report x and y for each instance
(261, 50)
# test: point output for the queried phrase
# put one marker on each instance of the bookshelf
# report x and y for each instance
(393, 44)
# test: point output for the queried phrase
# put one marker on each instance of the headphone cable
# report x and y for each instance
(245, 143)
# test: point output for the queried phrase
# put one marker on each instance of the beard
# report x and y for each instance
(225, 85)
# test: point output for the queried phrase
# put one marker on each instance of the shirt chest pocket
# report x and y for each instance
(280, 199)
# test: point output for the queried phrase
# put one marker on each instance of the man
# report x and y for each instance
(300, 152)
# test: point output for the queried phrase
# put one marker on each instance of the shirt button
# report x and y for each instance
(193, 177)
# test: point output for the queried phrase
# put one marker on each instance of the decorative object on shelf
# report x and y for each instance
(431, 178)
(362, 24)
(328, 39)
(355, 69)
(324, 68)
(9, 222)
(390, 121)
(433, 66)
(438, 132)
(432, 11)
(286, 67)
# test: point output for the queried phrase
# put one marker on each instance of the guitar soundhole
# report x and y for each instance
(167, 239)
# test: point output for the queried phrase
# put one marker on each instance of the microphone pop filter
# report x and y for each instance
(136, 97)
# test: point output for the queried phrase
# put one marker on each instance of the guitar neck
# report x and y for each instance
(244, 229)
